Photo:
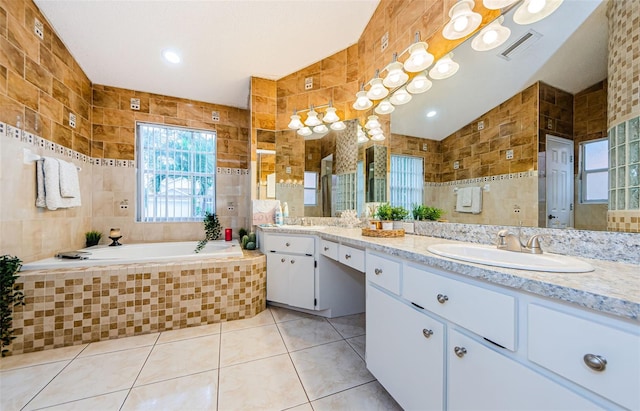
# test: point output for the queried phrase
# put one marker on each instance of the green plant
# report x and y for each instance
(211, 230)
(423, 212)
(92, 237)
(10, 297)
(242, 232)
(383, 212)
(399, 213)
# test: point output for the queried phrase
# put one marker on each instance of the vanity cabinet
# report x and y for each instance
(291, 270)
(438, 340)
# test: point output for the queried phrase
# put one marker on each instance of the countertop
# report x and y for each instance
(612, 288)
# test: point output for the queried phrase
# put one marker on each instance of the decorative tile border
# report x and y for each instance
(22, 136)
(486, 179)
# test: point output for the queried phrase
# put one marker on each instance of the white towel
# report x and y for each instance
(40, 197)
(475, 193)
(53, 198)
(69, 183)
(465, 196)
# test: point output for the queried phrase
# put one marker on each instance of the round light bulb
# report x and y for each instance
(490, 36)
(362, 101)
(305, 131)
(461, 23)
(443, 67)
(535, 6)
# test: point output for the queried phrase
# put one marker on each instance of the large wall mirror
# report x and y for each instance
(497, 122)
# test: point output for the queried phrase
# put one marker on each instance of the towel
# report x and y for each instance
(69, 183)
(475, 193)
(53, 199)
(40, 198)
(264, 211)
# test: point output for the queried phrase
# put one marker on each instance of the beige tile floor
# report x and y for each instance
(278, 360)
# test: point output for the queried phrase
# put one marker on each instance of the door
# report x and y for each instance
(301, 281)
(277, 278)
(405, 352)
(559, 186)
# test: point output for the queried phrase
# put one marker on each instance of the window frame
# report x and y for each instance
(208, 200)
(306, 188)
(582, 172)
(392, 199)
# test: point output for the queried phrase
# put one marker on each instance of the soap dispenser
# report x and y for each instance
(278, 216)
(285, 210)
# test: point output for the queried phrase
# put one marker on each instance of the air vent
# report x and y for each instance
(521, 44)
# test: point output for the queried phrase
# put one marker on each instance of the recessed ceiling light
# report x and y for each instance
(171, 56)
(431, 113)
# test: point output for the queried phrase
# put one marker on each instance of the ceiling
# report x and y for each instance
(571, 55)
(222, 43)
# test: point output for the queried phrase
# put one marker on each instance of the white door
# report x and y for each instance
(559, 172)
(301, 292)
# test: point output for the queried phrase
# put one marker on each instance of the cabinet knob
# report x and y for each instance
(595, 362)
(293, 261)
(378, 271)
(460, 351)
(427, 333)
(347, 256)
(442, 298)
(282, 260)
(326, 249)
(287, 244)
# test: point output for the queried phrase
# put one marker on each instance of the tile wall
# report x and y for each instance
(414, 146)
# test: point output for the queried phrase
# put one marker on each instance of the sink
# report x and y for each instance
(490, 255)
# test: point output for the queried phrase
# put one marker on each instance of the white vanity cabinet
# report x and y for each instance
(290, 269)
(481, 378)
(404, 351)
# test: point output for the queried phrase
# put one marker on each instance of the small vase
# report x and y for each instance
(91, 243)
(387, 225)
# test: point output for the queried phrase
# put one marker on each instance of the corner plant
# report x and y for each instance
(423, 212)
(92, 237)
(211, 230)
(10, 297)
(383, 212)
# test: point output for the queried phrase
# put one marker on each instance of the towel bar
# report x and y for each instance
(31, 157)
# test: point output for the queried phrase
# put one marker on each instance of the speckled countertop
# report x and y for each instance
(613, 288)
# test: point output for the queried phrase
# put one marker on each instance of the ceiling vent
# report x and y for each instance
(517, 47)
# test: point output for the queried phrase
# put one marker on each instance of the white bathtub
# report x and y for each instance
(140, 253)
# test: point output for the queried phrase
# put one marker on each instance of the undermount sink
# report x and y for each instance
(490, 255)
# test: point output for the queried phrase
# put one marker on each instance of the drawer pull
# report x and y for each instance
(378, 271)
(427, 333)
(326, 249)
(347, 256)
(442, 298)
(595, 362)
(293, 261)
(460, 351)
(287, 244)
(282, 260)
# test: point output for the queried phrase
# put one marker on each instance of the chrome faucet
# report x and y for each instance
(512, 242)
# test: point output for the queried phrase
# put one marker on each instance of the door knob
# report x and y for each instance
(460, 351)
(442, 298)
(347, 256)
(427, 333)
(551, 217)
(378, 271)
(282, 260)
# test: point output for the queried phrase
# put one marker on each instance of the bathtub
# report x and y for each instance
(140, 253)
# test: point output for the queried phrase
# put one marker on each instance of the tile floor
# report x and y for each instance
(277, 360)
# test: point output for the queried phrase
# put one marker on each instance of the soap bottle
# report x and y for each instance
(278, 215)
(285, 211)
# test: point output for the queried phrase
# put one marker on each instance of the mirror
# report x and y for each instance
(489, 130)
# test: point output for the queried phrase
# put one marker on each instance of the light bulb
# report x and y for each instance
(535, 6)
(401, 96)
(330, 116)
(305, 131)
(385, 107)
(338, 125)
(461, 23)
(295, 122)
(377, 90)
(490, 36)
(362, 101)
(372, 122)
(320, 129)
(312, 119)
(419, 58)
(443, 67)
(419, 84)
(396, 76)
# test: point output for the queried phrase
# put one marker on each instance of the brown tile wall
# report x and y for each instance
(556, 113)
(290, 153)
(413, 146)
(100, 303)
(511, 125)
(40, 81)
(114, 122)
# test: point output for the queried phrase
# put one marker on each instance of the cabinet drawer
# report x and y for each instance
(352, 257)
(383, 272)
(329, 249)
(559, 342)
(487, 313)
(287, 243)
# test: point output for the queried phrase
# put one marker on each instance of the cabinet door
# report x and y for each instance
(278, 278)
(405, 352)
(480, 378)
(301, 272)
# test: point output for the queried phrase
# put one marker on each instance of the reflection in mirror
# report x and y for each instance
(493, 118)
(376, 173)
(266, 164)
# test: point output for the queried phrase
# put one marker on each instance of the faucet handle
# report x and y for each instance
(502, 242)
(533, 244)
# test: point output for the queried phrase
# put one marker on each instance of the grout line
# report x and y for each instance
(140, 371)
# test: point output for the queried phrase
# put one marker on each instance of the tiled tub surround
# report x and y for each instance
(76, 306)
(613, 288)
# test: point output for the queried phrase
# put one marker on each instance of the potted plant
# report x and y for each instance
(211, 230)
(92, 238)
(398, 215)
(383, 213)
(423, 212)
(10, 296)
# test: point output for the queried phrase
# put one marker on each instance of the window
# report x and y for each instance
(594, 171)
(176, 173)
(406, 181)
(310, 188)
